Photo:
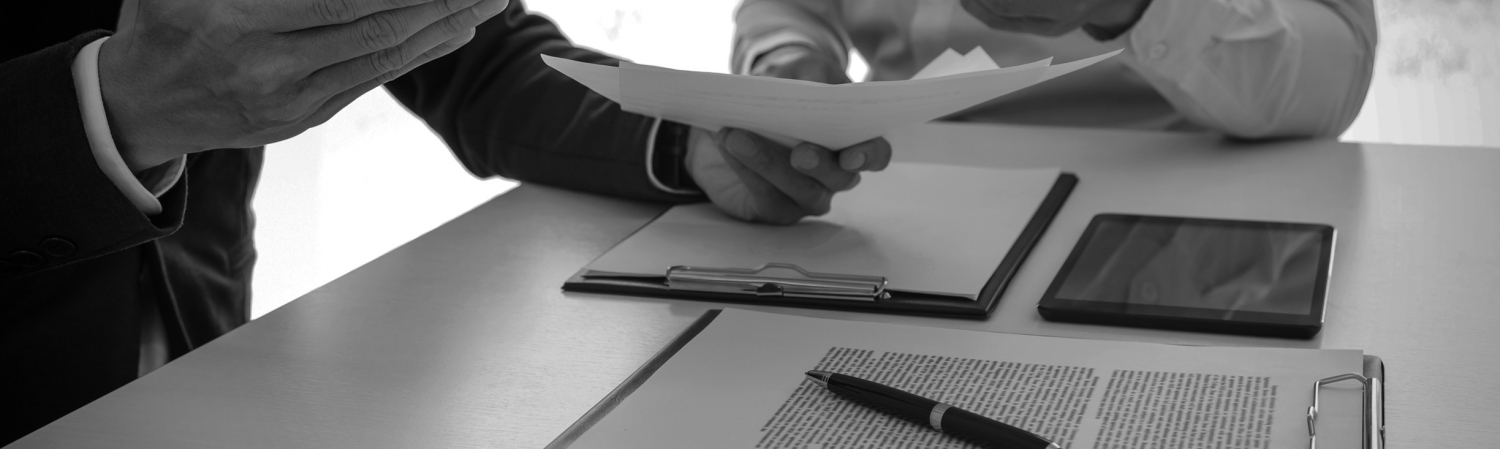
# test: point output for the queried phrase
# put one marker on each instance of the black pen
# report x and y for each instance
(944, 418)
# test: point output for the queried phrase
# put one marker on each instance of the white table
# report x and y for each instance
(462, 338)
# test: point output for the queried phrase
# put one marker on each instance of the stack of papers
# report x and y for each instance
(832, 115)
(952, 63)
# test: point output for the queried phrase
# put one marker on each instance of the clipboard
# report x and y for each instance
(784, 284)
(1373, 378)
(1372, 382)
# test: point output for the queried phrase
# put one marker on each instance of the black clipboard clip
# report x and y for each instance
(1373, 436)
(777, 280)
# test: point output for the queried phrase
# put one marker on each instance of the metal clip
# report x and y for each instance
(777, 279)
(1373, 436)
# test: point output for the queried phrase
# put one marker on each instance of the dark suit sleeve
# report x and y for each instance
(56, 206)
(504, 112)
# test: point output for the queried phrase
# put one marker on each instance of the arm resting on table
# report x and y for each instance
(1260, 68)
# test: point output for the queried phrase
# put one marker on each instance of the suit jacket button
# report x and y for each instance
(57, 247)
(26, 259)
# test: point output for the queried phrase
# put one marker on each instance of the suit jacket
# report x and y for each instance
(78, 261)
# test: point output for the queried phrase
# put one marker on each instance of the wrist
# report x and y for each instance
(779, 55)
(130, 126)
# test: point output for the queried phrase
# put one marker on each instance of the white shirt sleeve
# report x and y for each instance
(651, 164)
(160, 179)
(1254, 68)
(765, 25)
(753, 49)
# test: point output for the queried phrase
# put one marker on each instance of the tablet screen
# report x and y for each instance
(1227, 266)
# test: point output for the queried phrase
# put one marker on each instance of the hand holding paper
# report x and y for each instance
(808, 140)
(755, 179)
(833, 116)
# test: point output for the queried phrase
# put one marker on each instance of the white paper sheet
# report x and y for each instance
(740, 384)
(949, 62)
(835, 116)
(926, 228)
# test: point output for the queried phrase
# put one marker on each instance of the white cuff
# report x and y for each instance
(1171, 34)
(651, 163)
(1228, 65)
(159, 179)
(106, 154)
(777, 40)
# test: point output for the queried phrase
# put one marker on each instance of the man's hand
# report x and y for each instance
(759, 180)
(799, 63)
(755, 179)
(1056, 17)
(183, 76)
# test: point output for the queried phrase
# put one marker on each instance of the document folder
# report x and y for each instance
(785, 282)
(1373, 378)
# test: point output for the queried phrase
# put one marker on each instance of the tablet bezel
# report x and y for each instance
(1306, 325)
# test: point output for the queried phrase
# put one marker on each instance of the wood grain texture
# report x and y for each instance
(462, 338)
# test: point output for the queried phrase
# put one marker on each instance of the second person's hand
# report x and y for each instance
(755, 179)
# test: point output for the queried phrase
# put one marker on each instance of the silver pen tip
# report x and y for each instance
(819, 377)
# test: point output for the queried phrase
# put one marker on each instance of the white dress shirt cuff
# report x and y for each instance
(1171, 34)
(651, 164)
(1229, 65)
(774, 41)
(141, 189)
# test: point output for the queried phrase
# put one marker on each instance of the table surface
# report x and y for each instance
(462, 338)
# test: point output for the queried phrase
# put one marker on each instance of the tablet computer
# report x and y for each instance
(1198, 274)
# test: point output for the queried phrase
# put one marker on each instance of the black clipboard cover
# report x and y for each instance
(1373, 368)
(898, 302)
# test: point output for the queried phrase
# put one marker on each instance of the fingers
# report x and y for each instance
(823, 166)
(381, 35)
(870, 155)
(762, 201)
(381, 63)
(770, 162)
(306, 14)
(303, 14)
(337, 102)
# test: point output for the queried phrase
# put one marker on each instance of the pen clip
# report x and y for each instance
(777, 280)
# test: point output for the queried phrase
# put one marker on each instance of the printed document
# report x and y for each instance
(832, 115)
(740, 384)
